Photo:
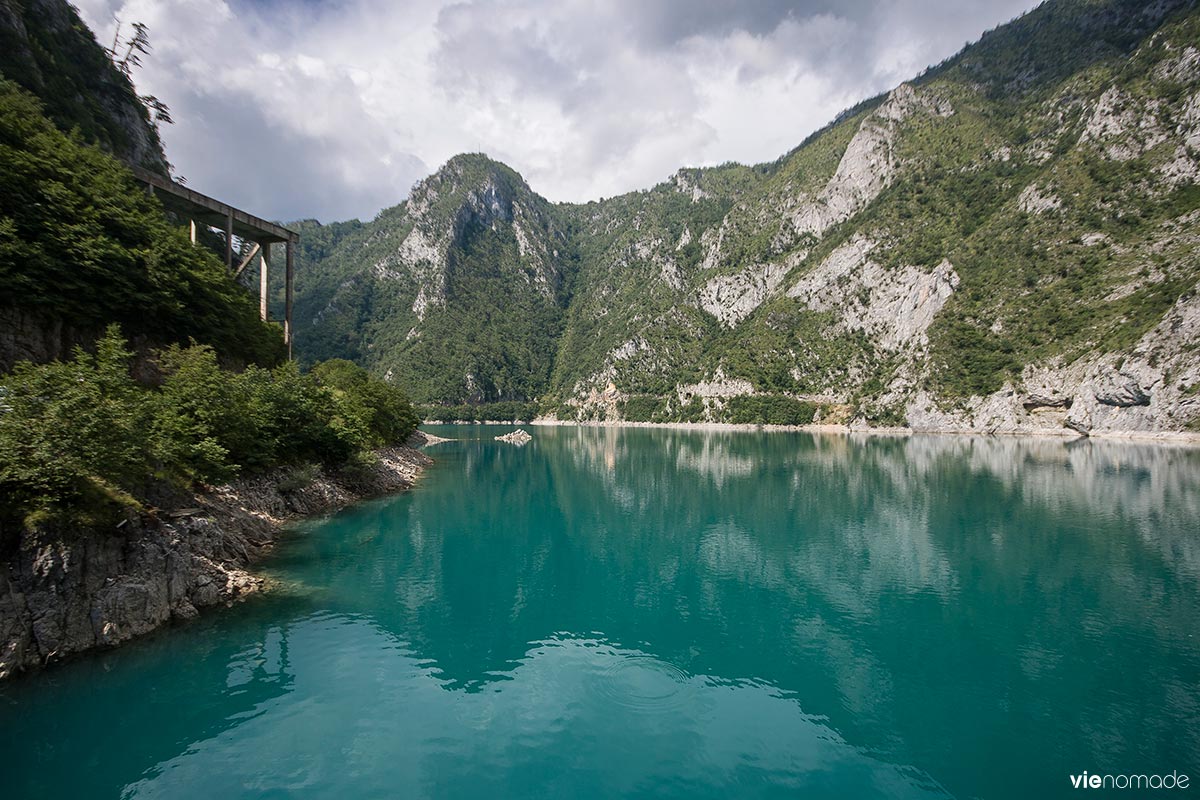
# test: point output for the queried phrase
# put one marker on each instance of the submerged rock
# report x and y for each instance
(517, 437)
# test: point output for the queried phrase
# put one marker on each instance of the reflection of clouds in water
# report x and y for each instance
(892, 551)
(421, 584)
(864, 683)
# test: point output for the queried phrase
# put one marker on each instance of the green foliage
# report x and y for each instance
(81, 241)
(642, 408)
(502, 339)
(768, 409)
(71, 431)
(54, 56)
(378, 411)
(692, 411)
(74, 431)
(509, 411)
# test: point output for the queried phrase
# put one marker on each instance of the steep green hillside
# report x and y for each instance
(83, 245)
(1008, 242)
(47, 50)
(458, 293)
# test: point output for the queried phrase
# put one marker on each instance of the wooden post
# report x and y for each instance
(192, 230)
(264, 283)
(229, 240)
(289, 274)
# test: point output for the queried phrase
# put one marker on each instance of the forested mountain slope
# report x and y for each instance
(1007, 242)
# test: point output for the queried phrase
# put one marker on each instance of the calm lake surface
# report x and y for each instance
(615, 612)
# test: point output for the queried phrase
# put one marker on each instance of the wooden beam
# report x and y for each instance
(237, 273)
(288, 286)
(264, 283)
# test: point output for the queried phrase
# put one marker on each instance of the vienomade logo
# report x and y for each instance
(1172, 780)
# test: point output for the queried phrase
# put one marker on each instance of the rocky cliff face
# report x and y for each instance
(47, 50)
(1007, 243)
(66, 592)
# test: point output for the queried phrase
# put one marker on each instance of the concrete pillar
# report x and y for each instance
(288, 282)
(229, 240)
(192, 230)
(264, 285)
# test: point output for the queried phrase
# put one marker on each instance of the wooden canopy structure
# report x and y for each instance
(201, 209)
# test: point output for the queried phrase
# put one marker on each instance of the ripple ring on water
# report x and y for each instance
(644, 683)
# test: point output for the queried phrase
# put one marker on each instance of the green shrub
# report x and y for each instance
(641, 408)
(368, 406)
(769, 409)
(78, 432)
(72, 429)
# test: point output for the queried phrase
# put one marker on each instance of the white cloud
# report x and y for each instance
(294, 109)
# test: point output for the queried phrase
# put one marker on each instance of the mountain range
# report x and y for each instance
(1007, 242)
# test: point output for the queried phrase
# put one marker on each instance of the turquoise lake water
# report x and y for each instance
(613, 612)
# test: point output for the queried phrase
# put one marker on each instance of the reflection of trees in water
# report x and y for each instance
(998, 581)
(1003, 587)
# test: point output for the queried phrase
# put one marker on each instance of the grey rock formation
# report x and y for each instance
(67, 591)
(1121, 390)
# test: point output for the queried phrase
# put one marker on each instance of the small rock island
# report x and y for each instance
(518, 437)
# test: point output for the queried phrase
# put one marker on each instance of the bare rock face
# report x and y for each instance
(894, 306)
(1036, 200)
(1036, 401)
(66, 591)
(869, 163)
(1121, 390)
(732, 298)
(63, 592)
(29, 336)
(1122, 128)
(717, 386)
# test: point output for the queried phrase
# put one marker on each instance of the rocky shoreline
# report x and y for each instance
(65, 593)
(1186, 438)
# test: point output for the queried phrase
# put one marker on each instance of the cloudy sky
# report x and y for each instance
(301, 108)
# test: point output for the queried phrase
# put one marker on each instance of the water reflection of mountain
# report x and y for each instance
(922, 602)
(1006, 583)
